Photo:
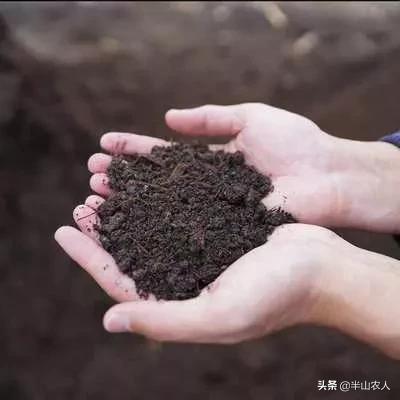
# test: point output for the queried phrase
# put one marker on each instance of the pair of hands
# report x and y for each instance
(320, 179)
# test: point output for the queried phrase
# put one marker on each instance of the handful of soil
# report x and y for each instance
(181, 215)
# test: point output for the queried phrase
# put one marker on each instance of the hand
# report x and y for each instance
(317, 177)
(289, 148)
(296, 277)
(271, 287)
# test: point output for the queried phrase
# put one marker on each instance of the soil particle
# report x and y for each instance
(179, 216)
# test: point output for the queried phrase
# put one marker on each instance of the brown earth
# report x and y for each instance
(179, 216)
(71, 71)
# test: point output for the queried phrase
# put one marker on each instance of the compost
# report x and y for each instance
(179, 216)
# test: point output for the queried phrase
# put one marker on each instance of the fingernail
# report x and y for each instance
(116, 323)
(172, 111)
(176, 110)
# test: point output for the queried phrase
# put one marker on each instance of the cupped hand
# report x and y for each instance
(300, 159)
(271, 287)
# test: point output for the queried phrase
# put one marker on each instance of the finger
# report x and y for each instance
(209, 120)
(99, 184)
(129, 143)
(196, 320)
(97, 262)
(94, 201)
(86, 218)
(99, 162)
(171, 320)
(294, 197)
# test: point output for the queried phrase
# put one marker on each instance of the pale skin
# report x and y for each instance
(304, 273)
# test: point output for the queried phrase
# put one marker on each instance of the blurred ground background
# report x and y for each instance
(72, 71)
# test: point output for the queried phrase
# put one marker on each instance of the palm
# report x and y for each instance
(268, 288)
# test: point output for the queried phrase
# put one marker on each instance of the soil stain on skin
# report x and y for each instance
(179, 216)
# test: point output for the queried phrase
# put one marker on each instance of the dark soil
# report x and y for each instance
(57, 101)
(181, 215)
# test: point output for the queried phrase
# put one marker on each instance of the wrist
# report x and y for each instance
(360, 296)
(366, 178)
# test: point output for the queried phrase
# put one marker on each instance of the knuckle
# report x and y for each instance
(208, 117)
(255, 107)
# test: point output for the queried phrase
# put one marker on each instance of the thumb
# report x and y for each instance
(208, 120)
(193, 320)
